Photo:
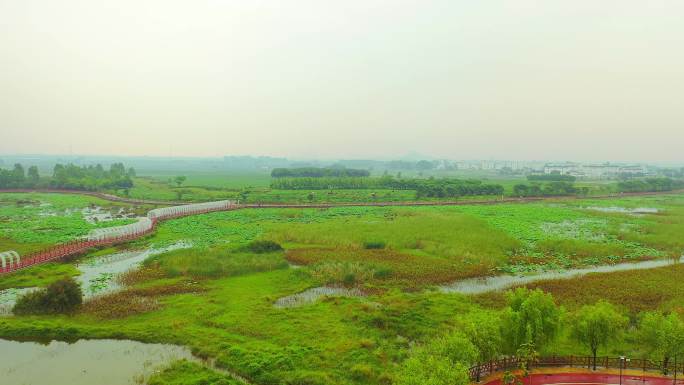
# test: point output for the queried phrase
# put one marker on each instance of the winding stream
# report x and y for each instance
(501, 282)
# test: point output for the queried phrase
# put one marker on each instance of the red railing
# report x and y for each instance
(80, 246)
(478, 372)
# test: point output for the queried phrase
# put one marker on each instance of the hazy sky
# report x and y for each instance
(462, 79)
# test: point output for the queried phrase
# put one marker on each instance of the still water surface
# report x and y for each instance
(85, 362)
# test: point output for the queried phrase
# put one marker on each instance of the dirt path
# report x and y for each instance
(115, 198)
(105, 196)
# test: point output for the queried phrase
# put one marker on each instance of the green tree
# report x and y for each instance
(179, 180)
(33, 175)
(528, 355)
(425, 368)
(531, 317)
(455, 346)
(597, 325)
(510, 379)
(662, 336)
(18, 175)
(443, 361)
(63, 296)
(484, 332)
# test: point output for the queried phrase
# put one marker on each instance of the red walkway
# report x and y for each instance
(592, 379)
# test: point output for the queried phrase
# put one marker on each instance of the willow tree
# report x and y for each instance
(532, 317)
(595, 326)
(662, 336)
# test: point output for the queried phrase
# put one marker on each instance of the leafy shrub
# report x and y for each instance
(30, 303)
(63, 296)
(349, 279)
(382, 273)
(374, 245)
(260, 247)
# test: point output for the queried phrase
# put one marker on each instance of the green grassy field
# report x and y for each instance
(218, 297)
(253, 187)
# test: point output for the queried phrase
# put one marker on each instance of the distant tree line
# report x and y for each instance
(325, 183)
(318, 172)
(19, 178)
(553, 177)
(650, 185)
(70, 176)
(438, 188)
(421, 165)
(451, 188)
(555, 188)
(92, 178)
(673, 172)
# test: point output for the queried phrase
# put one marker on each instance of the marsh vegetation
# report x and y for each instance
(363, 306)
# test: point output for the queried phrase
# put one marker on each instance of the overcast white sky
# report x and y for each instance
(516, 79)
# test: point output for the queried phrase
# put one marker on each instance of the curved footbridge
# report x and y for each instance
(11, 261)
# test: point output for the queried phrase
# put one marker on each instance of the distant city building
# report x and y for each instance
(595, 171)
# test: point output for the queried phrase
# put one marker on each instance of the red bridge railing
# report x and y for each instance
(511, 363)
(77, 247)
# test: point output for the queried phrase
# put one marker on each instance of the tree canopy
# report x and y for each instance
(531, 317)
(319, 172)
(443, 361)
(597, 325)
(662, 336)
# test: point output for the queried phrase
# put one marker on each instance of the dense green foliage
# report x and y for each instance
(532, 317)
(92, 178)
(18, 178)
(597, 325)
(318, 172)
(451, 188)
(552, 177)
(261, 247)
(325, 183)
(71, 177)
(443, 361)
(650, 185)
(425, 188)
(557, 188)
(662, 335)
(60, 297)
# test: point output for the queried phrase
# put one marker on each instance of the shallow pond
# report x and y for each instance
(501, 282)
(91, 214)
(624, 210)
(85, 362)
(98, 274)
(314, 294)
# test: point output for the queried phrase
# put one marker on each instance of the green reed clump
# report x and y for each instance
(370, 245)
(260, 247)
(60, 297)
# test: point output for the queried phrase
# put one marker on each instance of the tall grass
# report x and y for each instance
(215, 262)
